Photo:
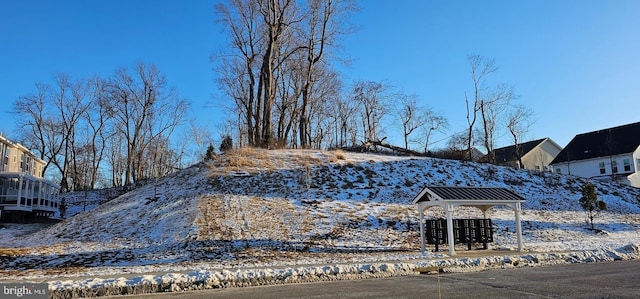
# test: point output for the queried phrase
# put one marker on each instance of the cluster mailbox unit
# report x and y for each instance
(465, 231)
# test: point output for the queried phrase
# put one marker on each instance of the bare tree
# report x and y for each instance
(35, 117)
(480, 68)
(411, 116)
(324, 22)
(518, 123)
(434, 123)
(492, 108)
(69, 102)
(125, 120)
(456, 147)
(327, 90)
(278, 16)
(488, 103)
(271, 71)
(260, 32)
(342, 111)
(116, 158)
(238, 69)
(200, 137)
(145, 110)
(99, 123)
(287, 103)
(131, 102)
(371, 96)
(55, 119)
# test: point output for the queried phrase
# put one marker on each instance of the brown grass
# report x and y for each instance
(247, 158)
(307, 159)
(243, 157)
(13, 251)
(339, 155)
(240, 158)
(52, 249)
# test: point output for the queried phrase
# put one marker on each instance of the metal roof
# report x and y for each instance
(443, 193)
(602, 143)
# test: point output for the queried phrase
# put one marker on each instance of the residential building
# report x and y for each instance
(608, 154)
(24, 193)
(532, 155)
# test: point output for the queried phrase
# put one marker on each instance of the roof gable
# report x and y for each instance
(607, 142)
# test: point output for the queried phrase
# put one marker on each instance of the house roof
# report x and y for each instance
(508, 153)
(481, 195)
(607, 142)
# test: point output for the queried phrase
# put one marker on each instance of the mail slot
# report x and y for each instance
(465, 231)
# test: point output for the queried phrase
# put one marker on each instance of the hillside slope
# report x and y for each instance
(254, 207)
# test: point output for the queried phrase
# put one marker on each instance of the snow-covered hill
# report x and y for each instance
(261, 208)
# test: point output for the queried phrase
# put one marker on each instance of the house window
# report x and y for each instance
(627, 165)
(614, 166)
(602, 170)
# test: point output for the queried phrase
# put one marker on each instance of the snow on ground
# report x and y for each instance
(257, 217)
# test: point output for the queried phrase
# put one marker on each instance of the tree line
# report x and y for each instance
(279, 83)
(278, 79)
(122, 123)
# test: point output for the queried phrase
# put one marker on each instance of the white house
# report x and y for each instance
(609, 154)
(24, 193)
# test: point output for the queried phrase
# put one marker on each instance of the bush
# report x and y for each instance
(227, 143)
(210, 153)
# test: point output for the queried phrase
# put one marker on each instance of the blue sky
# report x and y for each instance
(576, 64)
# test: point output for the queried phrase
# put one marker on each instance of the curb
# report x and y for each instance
(201, 280)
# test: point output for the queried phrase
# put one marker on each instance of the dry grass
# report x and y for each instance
(335, 156)
(305, 159)
(252, 159)
(51, 249)
(244, 159)
(339, 154)
(13, 251)
(249, 218)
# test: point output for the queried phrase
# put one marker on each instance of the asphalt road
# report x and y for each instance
(592, 280)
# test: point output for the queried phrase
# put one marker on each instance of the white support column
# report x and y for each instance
(421, 211)
(48, 194)
(32, 191)
(450, 236)
(518, 226)
(19, 190)
(38, 195)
